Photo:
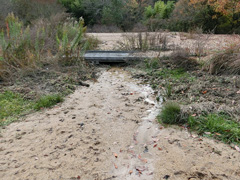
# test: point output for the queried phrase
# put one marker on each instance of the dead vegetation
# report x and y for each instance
(226, 62)
(182, 59)
(144, 41)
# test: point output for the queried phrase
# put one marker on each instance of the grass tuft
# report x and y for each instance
(48, 101)
(171, 114)
(225, 62)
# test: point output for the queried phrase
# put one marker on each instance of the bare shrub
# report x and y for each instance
(198, 41)
(134, 41)
(93, 42)
(201, 41)
(158, 41)
(226, 62)
(51, 27)
(144, 41)
(181, 58)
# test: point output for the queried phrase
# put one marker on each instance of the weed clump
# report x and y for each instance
(144, 41)
(48, 101)
(226, 62)
(171, 114)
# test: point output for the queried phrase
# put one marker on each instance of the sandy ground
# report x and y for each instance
(210, 42)
(109, 131)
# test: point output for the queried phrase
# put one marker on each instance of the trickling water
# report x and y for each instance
(148, 128)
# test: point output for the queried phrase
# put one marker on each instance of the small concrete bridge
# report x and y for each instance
(113, 56)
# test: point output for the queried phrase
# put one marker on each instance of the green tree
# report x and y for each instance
(160, 10)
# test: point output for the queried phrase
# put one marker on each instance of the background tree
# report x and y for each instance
(227, 11)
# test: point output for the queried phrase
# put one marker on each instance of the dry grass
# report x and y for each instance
(226, 62)
(181, 58)
(144, 41)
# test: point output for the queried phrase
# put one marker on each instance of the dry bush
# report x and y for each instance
(134, 41)
(181, 58)
(201, 41)
(144, 41)
(226, 62)
(51, 26)
(198, 41)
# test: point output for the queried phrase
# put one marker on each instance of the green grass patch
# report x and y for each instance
(48, 101)
(152, 63)
(221, 127)
(171, 114)
(173, 73)
(12, 104)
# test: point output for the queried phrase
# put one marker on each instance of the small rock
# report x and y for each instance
(166, 177)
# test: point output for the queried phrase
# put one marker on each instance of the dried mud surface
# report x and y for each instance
(109, 131)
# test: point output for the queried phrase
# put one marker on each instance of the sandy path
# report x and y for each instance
(108, 131)
(80, 137)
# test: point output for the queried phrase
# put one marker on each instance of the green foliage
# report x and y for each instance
(90, 10)
(171, 114)
(112, 12)
(172, 73)
(157, 17)
(168, 90)
(48, 101)
(70, 38)
(160, 10)
(149, 12)
(152, 63)
(18, 49)
(219, 126)
(12, 105)
(187, 16)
